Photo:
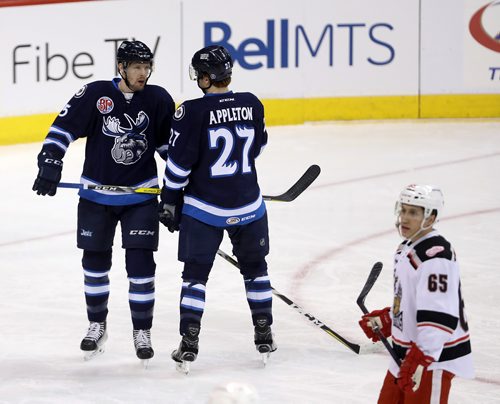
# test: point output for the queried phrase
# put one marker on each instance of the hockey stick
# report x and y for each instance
(111, 188)
(372, 278)
(353, 347)
(300, 186)
(295, 190)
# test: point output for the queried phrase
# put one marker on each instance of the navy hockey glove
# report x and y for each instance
(49, 174)
(169, 213)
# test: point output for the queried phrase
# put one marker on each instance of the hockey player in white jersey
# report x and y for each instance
(427, 320)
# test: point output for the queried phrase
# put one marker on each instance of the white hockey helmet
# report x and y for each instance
(428, 197)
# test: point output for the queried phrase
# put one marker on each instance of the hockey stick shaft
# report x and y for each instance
(315, 321)
(372, 278)
(291, 194)
(111, 188)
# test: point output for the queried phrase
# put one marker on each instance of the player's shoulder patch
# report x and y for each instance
(180, 112)
(434, 247)
(81, 92)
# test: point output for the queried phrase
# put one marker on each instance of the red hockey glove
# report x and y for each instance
(414, 364)
(377, 320)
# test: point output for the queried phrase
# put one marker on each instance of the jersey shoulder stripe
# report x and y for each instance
(433, 247)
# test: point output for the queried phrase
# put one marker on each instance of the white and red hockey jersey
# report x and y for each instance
(428, 308)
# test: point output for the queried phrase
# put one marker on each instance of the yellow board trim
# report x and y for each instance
(33, 128)
(300, 110)
(25, 129)
(460, 106)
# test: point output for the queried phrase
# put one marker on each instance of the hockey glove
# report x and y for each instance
(377, 320)
(49, 174)
(169, 213)
(412, 368)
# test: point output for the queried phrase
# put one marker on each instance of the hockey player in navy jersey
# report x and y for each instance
(124, 121)
(211, 178)
(427, 321)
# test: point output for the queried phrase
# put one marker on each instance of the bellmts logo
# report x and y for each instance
(294, 44)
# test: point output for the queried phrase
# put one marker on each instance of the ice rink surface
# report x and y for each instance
(322, 248)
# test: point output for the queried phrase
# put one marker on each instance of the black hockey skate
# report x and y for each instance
(93, 343)
(263, 338)
(188, 349)
(143, 347)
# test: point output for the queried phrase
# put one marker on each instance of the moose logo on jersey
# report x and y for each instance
(130, 142)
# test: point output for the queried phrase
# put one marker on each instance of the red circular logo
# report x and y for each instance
(105, 105)
(479, 33)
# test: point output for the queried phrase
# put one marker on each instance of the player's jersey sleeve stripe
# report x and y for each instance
(173, 184)
(177, 170)
(163, 151)
(59, 131)
(443, 321)
(59, 137)
(59, 144)
(400, 347)
(162, 148)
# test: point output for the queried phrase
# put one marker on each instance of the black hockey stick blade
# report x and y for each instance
(372, 278)
(353, 347)
(300, 186)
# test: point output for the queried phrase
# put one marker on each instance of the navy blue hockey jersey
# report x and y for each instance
(211, 157)
(122, 137)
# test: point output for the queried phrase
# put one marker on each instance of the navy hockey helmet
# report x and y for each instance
(134, 51)
(213, 60)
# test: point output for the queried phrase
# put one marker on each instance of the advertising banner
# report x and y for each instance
(308, 61)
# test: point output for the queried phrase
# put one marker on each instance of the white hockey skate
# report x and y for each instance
(93, 343)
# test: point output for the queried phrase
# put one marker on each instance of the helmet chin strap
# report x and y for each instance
(123, 75)
(204, 89)
(125, 79)
(422, 228)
